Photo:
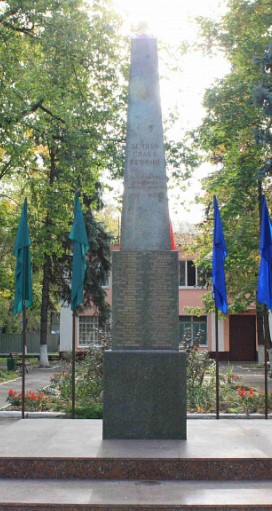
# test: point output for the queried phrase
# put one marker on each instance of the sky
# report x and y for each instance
(172, 21)
(168, 19)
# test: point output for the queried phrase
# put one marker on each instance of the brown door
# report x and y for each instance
(242, 338)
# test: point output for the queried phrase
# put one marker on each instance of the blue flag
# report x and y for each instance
(80, 248)
(218, 258)
(264, 291)
(23, 277)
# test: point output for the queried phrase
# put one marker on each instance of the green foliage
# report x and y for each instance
(229, 135)
(201, 388)
(263, 99)
(200, 391)
(98, 268)
(62, 124)
(201, 396)
(88, 384)
(7, 375)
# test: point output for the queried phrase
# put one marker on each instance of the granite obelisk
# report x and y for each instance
(145, 373)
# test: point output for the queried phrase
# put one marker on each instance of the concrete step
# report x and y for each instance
(122, 468)
(41, 495)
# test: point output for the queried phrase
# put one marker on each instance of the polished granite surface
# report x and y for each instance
(168, 493)
(64, 464)
(226, 438)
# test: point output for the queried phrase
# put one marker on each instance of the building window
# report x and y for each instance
(106, 282)
(88, 330)
(193, 330)
(191, 275)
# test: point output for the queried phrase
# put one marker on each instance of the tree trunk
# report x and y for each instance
(260, 324)
(44, 313)
(46, 275)
(267, 329)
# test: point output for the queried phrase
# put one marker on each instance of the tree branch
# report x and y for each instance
(51, 113)
(24, 113)
(24, 30)
(5, 169)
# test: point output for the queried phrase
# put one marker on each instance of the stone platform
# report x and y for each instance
(62, 464)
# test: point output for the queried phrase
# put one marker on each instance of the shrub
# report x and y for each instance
(88, 382)
(200, 380)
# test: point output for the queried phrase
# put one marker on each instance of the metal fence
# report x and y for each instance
(12, 343)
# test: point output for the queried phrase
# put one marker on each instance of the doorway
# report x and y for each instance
(242, 338)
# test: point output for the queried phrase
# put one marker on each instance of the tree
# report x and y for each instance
(228, 135)
(6, 268)
(62, 107)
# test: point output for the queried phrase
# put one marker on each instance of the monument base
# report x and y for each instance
(144, 395)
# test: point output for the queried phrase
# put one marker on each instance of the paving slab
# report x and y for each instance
(69, 441)
(125, 493)
(82, 438)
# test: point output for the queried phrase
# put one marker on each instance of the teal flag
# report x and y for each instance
(80, 248)
(23, 277)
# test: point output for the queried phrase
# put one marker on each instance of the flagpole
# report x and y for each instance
(74, 365)
(216, 363)
(265, 381)
(264, 294)
(80, 247)
(23, 285)
(265, 371)
(219, 254)
(24, 333)
(23, 359)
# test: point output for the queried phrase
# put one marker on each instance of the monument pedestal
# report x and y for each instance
(144, 394)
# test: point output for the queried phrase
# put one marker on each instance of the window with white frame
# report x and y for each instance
(191, 275)
(88, 330)
(106, 282)
(193, 330)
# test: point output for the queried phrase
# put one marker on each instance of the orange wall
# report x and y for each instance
(190, 297)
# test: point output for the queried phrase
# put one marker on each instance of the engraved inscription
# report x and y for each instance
(143, 154)
(145, 300)
(148, 182)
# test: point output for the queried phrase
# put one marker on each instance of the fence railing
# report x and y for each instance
(10, 343)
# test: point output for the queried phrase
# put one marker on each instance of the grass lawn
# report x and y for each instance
(29, 360)
(8, 375)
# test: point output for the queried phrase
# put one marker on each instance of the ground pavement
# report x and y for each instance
(65, 464)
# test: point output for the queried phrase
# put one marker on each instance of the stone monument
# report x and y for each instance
(145, 373)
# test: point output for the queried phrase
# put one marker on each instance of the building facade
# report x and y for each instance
(237, 333)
